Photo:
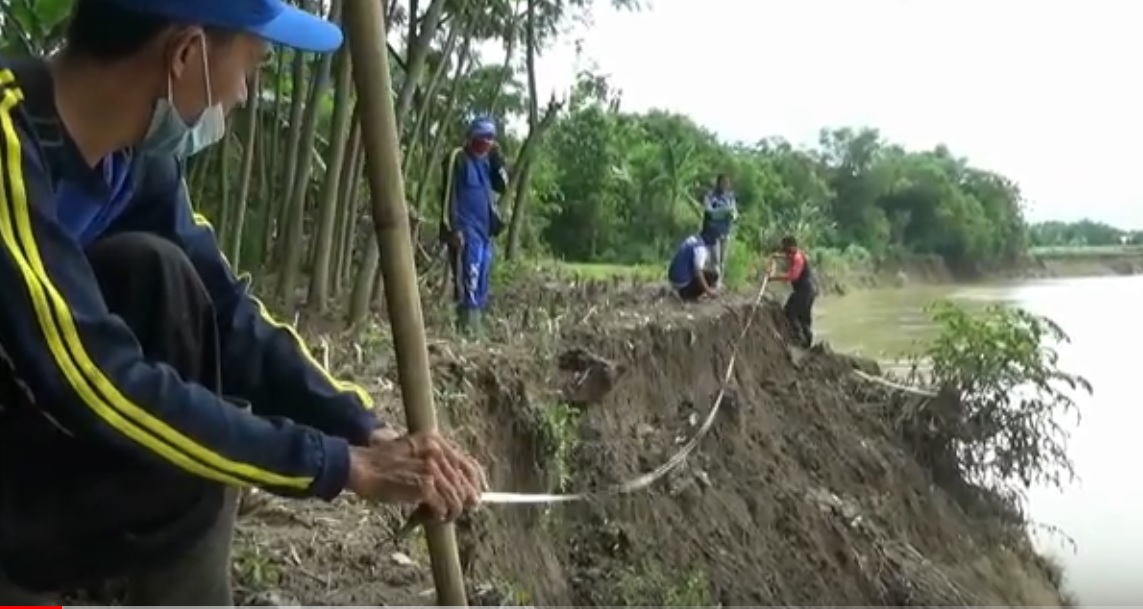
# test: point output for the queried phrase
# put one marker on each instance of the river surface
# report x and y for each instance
(1103, 511)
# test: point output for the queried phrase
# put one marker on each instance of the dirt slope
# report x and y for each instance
(802, 494)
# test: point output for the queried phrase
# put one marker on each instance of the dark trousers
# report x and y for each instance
(799, 311)
(74, 512)
(693, 290)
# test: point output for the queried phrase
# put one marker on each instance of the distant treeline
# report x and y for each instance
(1081, 233)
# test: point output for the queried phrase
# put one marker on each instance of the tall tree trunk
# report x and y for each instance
(328, 199)
(285, 169)
(536, 129)
(293, 242)
(347, 209)
(249, 144)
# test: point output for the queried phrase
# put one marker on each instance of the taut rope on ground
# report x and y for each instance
(884, 382)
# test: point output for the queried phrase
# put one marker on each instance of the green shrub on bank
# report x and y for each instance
(850, 261)
(997, 424)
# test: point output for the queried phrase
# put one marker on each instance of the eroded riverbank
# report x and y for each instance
(806, 491)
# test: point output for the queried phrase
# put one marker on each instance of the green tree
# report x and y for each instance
(1076, 234)
(997, 424)
(591, 181)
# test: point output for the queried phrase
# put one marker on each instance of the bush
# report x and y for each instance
(744, 266)
(1003, 396)
(853, 260)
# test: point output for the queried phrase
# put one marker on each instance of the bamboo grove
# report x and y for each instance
(591, 181)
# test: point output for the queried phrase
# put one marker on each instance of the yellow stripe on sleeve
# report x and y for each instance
(264, 313)
(450, 186)
(63, 342)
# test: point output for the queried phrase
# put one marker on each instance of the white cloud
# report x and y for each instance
(1044, 92)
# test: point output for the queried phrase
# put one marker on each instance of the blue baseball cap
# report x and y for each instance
(272, 20)
(482, 127)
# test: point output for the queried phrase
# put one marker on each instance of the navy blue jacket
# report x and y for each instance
(469, 183)
(84, 364)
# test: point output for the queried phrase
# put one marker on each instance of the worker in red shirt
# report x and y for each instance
(800, 305)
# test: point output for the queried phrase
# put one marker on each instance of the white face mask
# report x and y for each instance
(170, 134)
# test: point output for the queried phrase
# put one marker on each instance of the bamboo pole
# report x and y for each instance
(364, 24)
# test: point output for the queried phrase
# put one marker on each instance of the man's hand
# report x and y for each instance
(421, 468)
(383, 434)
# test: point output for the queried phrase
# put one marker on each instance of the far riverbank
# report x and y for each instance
(840, 274)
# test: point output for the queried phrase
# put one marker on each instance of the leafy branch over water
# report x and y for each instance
(997, 424)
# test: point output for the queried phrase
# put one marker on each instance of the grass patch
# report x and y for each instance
(600, 271)
(652, 585)
(558, 428)
(254, 568)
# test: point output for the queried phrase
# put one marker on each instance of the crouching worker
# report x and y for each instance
(470, 220)
(693, 271)
(799, 307)
(141, 386)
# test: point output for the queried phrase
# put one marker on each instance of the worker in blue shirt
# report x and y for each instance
(692, 271)
(140, 383)
(473, 174)
(720, 211)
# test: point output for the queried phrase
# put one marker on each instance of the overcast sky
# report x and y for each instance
(1048, 93)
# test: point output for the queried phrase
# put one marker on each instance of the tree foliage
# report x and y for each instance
(591, 182)
(625, 186)
(998, 423)
(1080, 234)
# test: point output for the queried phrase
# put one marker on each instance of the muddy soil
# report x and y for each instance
(802, 494)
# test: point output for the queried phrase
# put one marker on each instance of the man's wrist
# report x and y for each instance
(334, 476)
(365, 424)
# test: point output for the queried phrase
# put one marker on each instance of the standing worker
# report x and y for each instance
(800, 305)
(692, 271)
(140, 383)
(720, 210)
(470, 219)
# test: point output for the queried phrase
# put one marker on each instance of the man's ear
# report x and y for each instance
(185, 46)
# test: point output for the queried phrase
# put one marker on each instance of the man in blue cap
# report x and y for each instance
(140, 384)
(470, 220)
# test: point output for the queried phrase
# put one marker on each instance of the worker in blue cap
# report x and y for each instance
(141, 385)
(473, 175)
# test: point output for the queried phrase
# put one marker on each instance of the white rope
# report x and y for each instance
(884, 382)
